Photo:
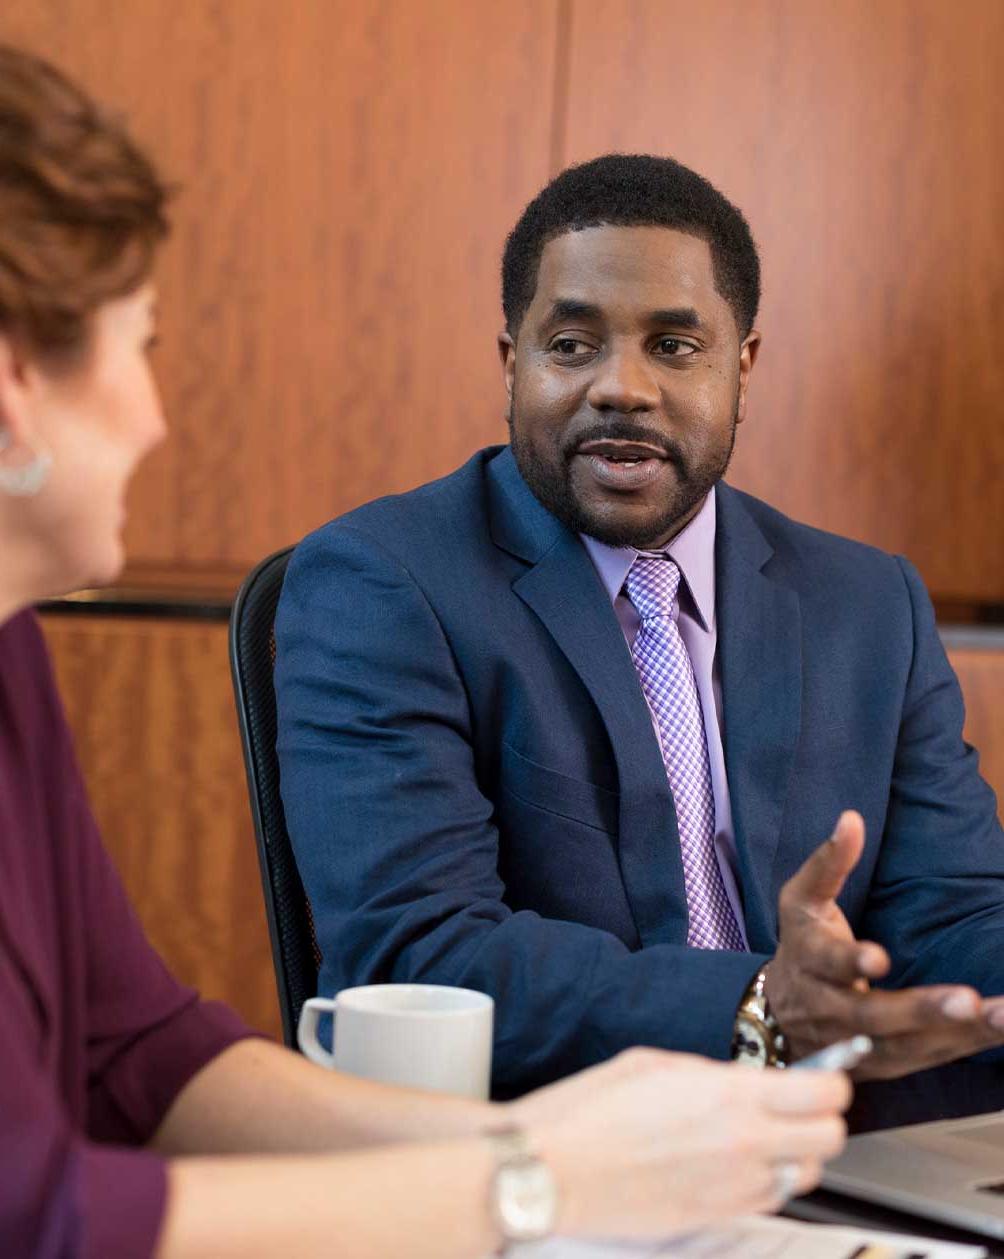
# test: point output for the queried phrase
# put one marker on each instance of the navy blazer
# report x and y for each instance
(476, 795)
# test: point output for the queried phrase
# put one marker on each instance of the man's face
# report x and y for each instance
(626, 381)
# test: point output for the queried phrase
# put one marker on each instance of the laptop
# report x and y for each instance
(951, 1170)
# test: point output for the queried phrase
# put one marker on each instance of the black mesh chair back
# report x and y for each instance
(295, 954)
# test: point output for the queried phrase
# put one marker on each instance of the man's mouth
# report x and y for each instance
(623, 465)
(616, 450)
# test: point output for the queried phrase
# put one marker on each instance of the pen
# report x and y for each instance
(844, 1055)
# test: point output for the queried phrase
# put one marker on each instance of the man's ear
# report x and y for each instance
(747, 357)
(507, 353)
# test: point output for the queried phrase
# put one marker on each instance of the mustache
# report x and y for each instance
(627, 431)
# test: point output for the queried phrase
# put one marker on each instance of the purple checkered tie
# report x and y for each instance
(667, 679)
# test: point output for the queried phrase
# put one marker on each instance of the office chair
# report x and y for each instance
(295, 954)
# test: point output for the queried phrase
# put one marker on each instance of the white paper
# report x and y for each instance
(759, 1237)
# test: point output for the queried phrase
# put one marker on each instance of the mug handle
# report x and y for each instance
(306, 1032)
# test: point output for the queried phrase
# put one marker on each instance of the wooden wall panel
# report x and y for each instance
(349, 170)
(864, 141)
(151, 707)
(981, 675)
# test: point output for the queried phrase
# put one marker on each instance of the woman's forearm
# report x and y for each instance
(646, 1145)
(257, 1097)
(423, 1201)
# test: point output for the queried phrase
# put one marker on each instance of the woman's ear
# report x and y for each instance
(14, 392)
(24, 461)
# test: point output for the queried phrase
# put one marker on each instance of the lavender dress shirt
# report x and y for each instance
(693, 550)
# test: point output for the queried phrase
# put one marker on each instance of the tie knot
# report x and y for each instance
(652, 585)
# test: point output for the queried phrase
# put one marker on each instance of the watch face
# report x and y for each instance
(526, 1200)
(751, 1045)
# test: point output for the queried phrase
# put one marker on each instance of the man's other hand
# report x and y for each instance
(819, 981)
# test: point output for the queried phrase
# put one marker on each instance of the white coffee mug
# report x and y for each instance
(425, 1036)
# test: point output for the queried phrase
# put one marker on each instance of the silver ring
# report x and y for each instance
(786, 1178)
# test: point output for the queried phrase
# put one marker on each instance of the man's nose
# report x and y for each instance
(624, 381)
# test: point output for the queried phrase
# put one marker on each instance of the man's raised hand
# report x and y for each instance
(819, 981)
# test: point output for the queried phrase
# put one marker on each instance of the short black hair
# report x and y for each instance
(633, 190)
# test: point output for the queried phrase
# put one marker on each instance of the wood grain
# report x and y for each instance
(330, 299)
(349, 171)
(152, 710)
(863, 140)
(981, 676)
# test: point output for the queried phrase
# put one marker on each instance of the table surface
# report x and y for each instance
(824, 1207)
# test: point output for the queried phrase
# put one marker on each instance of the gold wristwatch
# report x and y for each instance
(757, 1039)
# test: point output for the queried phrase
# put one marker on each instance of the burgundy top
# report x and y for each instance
(96, 1037)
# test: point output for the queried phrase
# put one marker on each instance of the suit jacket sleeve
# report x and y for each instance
(398, 849)
(937, 898)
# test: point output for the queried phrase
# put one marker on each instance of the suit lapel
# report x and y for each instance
(564, 590)
(759, 655)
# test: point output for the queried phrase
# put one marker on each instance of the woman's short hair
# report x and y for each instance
(81, 208)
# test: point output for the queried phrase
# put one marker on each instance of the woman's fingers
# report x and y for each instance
(810, 1138)
(804, 1092)
(811, 1173)
(768, 1186)
(788, 1180)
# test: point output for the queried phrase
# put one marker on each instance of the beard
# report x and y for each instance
(551, 481)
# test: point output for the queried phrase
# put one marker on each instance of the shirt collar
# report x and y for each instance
(693, 550)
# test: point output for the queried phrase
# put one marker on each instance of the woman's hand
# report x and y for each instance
(654, 1143)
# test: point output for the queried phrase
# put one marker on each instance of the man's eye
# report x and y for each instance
(569, 347)
(676, 349)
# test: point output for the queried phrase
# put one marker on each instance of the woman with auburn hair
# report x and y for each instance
(113, 1075)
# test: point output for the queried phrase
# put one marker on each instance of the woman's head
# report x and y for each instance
(81, 214)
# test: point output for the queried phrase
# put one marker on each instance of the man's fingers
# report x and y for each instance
(826, 1013)
(916, 1051)
(840, 961)
(915, 1011)
(842, 1012)
(821, 876)
(993, 1012)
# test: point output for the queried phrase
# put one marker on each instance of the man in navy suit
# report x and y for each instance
(507, 765)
